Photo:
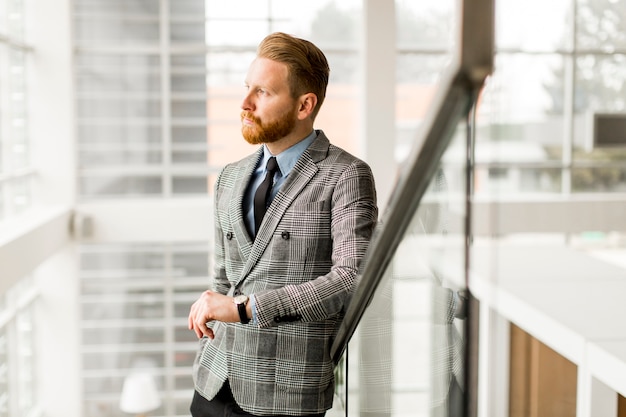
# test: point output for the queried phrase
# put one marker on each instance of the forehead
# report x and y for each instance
(265, 72)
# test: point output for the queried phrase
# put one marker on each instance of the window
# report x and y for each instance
(158, 90)
(534, 115)
(16, 173)
(134, 306)
(18, 381)
(141, 99)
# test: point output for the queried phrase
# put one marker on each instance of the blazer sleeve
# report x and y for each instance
(354, 217)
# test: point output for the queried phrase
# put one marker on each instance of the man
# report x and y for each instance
(281, 280)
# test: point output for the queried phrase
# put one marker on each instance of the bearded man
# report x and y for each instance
(292, 225)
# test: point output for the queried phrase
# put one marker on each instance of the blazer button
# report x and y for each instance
(285, 235)
(229, 235)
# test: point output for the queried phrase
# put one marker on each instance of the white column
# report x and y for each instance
(493, 363)
(52, 129)
(378, 140)
(378, 91)
(57, 333)
(51, 107)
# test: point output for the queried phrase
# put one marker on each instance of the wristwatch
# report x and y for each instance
(241, 301)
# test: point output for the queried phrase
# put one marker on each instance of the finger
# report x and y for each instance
(191, 317)
(200, 327)
(198, 331)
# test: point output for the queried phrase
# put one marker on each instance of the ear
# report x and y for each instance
(307, 103)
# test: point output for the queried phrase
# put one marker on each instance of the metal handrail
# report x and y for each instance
(472, 63)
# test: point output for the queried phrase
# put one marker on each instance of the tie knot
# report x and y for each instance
(272, 165)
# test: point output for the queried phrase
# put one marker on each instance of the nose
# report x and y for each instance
(246, 103)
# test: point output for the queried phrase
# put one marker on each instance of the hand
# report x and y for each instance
(211, 306)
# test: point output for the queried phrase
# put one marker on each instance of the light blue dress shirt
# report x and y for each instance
(286, 161)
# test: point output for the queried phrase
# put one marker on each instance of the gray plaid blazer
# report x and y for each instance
(301, 268)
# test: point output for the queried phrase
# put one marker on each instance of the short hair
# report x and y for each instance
(307, 66)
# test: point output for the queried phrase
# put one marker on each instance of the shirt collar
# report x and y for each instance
(287, 159)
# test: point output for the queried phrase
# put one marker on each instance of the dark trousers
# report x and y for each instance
(223, 405)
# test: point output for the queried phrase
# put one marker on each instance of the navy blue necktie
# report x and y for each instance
(262, 193)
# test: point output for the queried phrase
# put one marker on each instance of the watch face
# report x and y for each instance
(241, 299)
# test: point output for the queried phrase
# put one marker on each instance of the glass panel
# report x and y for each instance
(135, 299)
(20, 190)
(189, 134)
(103, 157)
(407, 356)
(240, 9)
(425, 25)
(602, 178)
(118, 107)
(27, 376)
(117, 29)
(520, 129)
(190, 185)
(15, 148)
(4, 373)
(124, 336)
(15, 19)
(188, 155)
(118, 135)
(601, 25)
(600, 83)
(228, 68)
(18, 359)
(17, 115)
(191, 107)
(142, 7)
(187, 8)
(121, 74)
(508, 178)
(549, 33)
(186, 83)
(119, 360)
(116, 185)
(188, 31)
(109, 406)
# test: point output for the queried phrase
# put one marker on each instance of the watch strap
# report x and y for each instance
(243, 315)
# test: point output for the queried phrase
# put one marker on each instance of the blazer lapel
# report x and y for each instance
(236, 205)
(301, 174)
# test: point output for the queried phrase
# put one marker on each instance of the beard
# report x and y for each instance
(261, 132)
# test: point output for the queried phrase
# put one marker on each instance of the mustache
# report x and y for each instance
(247, 115)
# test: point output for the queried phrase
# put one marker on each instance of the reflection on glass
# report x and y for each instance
(410, 343)
(604, 178)
(511, 179)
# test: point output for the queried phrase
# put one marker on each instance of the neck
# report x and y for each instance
(297, 135)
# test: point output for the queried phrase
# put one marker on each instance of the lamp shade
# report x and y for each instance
(139, 394)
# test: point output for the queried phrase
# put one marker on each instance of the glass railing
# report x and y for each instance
(409, 324)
